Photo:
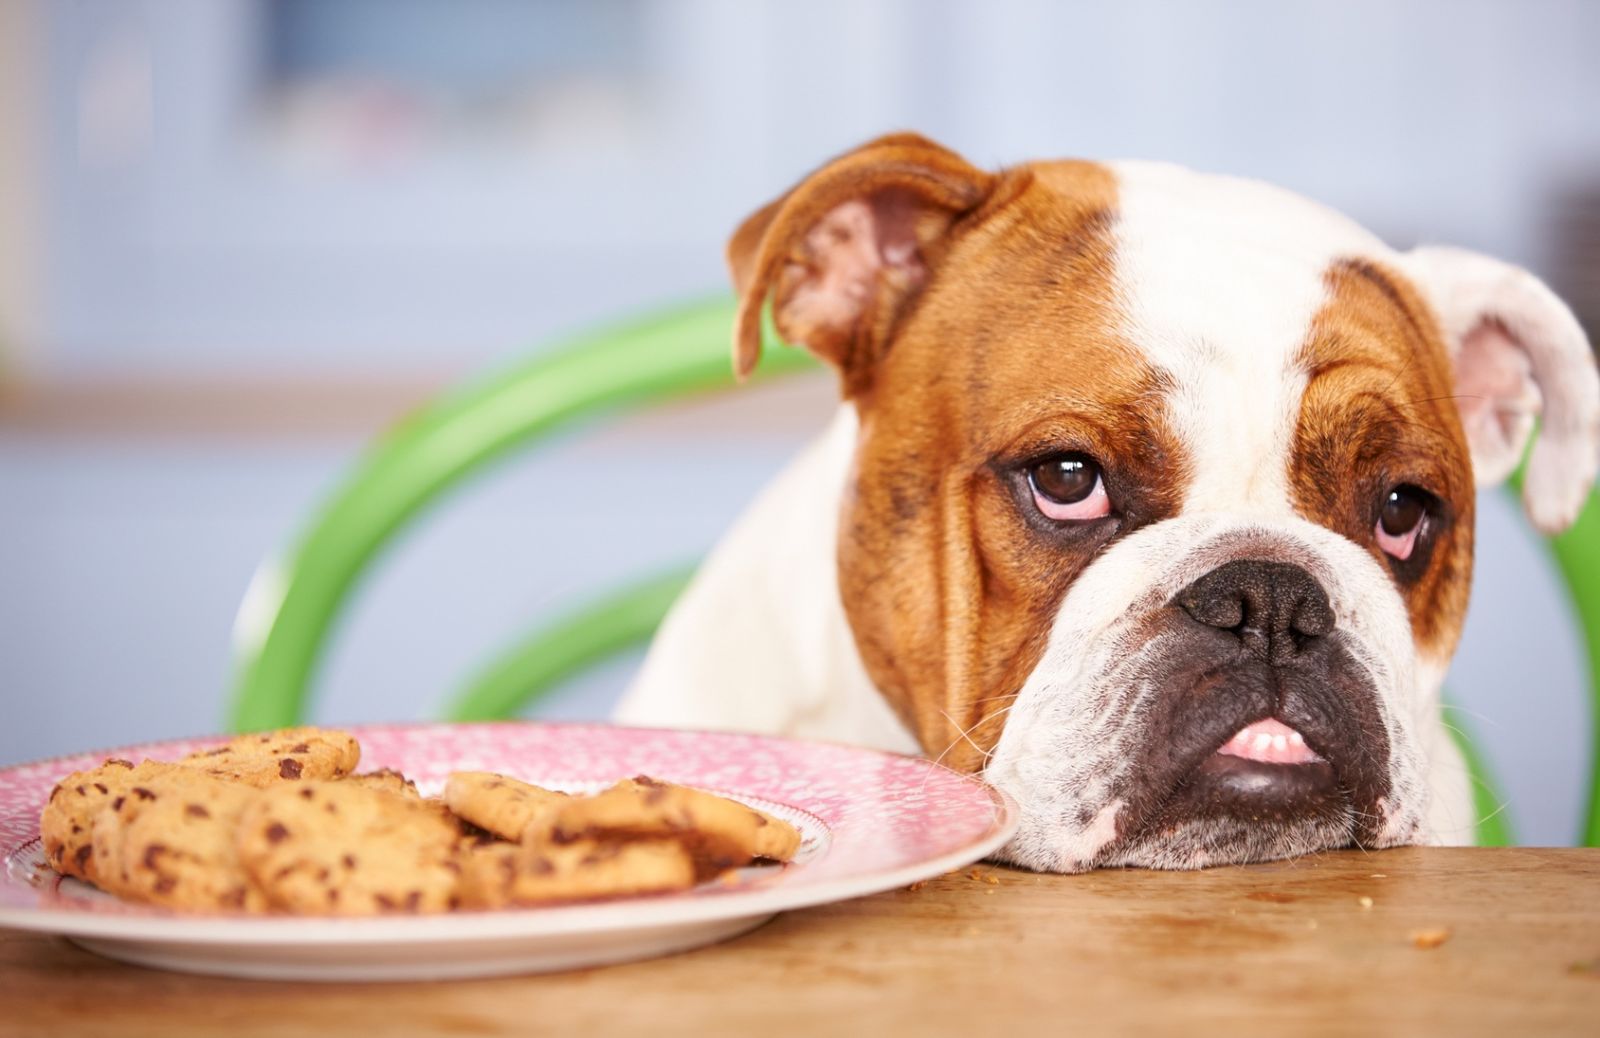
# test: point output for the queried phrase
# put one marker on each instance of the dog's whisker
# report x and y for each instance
(966, 735)
(1475, 714)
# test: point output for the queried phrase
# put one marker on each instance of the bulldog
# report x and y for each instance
(1150, 499)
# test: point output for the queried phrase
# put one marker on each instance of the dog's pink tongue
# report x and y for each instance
(1270, 742)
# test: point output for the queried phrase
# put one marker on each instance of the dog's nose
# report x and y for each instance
(1273, 607)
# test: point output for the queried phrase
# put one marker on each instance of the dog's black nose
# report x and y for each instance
(1273, 607)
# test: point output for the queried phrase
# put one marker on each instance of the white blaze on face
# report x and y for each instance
(1218, 282)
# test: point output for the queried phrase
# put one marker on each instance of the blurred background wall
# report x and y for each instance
(238, 237)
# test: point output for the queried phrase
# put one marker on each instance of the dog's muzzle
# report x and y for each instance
(1266, 717)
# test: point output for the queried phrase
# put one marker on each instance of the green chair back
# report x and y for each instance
(294, 601)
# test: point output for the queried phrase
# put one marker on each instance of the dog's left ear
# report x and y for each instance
(1519, 354)
(845, 250)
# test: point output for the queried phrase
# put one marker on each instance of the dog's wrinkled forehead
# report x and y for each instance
(1218, 283)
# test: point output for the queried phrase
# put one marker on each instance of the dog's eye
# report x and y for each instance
(1402, 520)
(1069, 486)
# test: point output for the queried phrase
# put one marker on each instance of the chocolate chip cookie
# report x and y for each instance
(265, 759)
(340, 848)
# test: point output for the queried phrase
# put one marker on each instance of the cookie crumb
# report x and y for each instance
(1427, 939)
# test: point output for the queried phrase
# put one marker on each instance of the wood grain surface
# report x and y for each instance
(1292, 947)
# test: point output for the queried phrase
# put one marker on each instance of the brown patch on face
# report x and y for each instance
(1379, 411)
(950, 577)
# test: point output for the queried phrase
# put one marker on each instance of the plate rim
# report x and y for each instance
(599, 917)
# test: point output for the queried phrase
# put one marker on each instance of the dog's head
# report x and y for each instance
(1162, 507)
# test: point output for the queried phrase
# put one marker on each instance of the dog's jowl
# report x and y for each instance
(1150, 498)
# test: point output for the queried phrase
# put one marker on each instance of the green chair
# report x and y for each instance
(287, 616)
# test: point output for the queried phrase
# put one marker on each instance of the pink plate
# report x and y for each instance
(871, 821)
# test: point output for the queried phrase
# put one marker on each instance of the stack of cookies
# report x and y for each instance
(280, 822)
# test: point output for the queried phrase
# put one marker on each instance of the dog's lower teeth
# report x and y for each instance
(1270, 742)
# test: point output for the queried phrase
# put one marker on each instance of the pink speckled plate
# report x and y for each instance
(871, 821)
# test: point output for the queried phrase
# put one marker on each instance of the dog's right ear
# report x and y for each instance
(847, 248)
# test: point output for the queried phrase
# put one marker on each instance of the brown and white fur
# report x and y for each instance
(1251, 373)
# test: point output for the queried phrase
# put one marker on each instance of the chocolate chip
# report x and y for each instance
(333, 896)
(276, 833)
(55, 793)
(452, 866)
(300, 748)
(83, 791)
(219, 751)
(289, 768)
(165, 884)
(307, 794)
(152, 853)
(196, 811)
(101, 786)
(384, 901)
(82, 857)
(234, 898)
(142, 793)
(480, 836)
(116, 805)
(119, 762)
(349, 861)
(760, 819)
(76, 828)
(646, 780)
(413, 900)
(454, 902)
(542, 866)
(322, 875)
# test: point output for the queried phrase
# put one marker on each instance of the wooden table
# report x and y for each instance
(1292, 946)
